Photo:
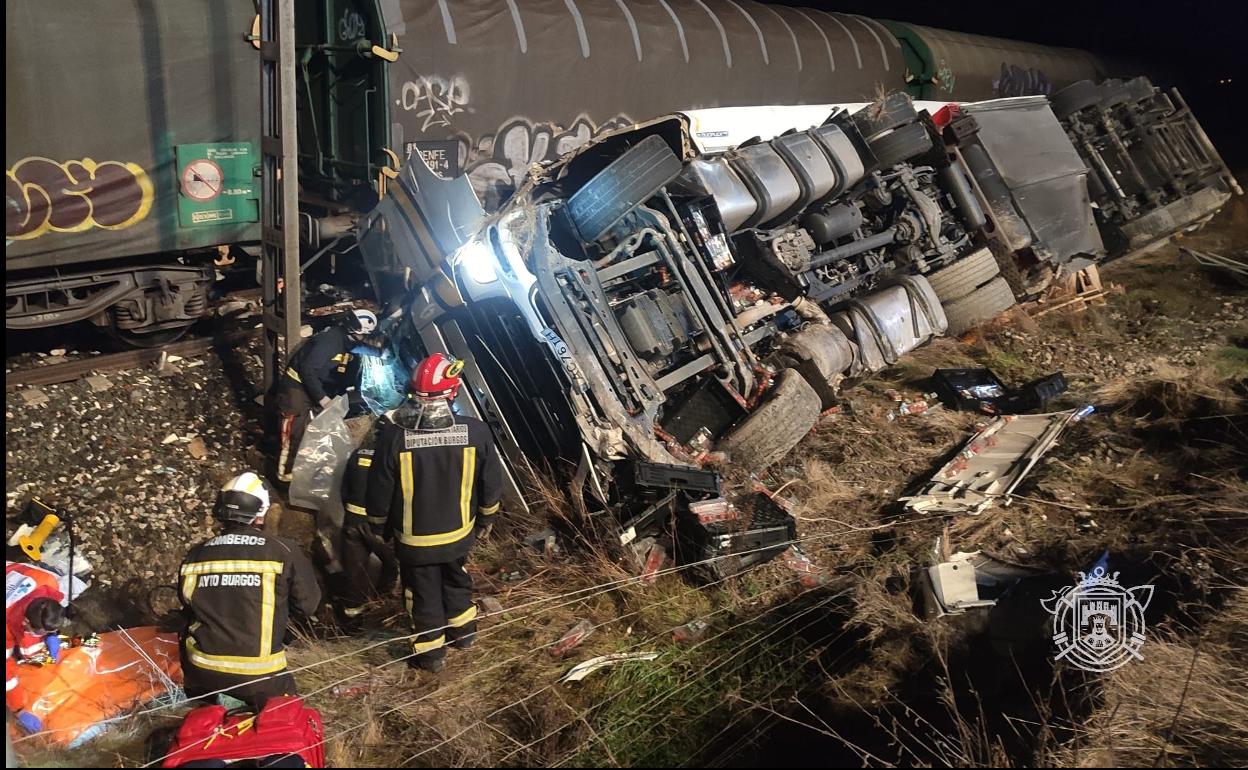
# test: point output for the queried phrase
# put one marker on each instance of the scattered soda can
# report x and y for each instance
(572, 639)
(711, 511)
(1084, 412)
(690, 632)
(912, 407)
(655, 558)
(810, 574)
(348, 692)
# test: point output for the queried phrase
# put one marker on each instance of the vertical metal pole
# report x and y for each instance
(279, 184)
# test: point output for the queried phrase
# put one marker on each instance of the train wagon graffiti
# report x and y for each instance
(44, 195)
(498, 161)
(1021, 81)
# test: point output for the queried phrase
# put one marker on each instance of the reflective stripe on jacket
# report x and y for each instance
(238, 589)
(432, 485)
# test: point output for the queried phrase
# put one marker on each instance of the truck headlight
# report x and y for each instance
(477, 258)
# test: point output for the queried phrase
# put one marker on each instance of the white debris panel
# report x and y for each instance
(991, 464)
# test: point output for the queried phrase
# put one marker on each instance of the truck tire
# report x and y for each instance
(1140, 88)
(775, 427)
(1075, 97)
(964, 276)
(627, 182)
(893, 111)
(902, 144)
(822, 354)
(980, 305)
(1113, 93)
(1007, 261)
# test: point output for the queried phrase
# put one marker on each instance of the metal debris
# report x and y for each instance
(972, 580)
(1208, 259)
(991, 464)
(582, 670)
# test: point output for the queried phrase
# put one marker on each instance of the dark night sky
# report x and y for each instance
(1200, 41)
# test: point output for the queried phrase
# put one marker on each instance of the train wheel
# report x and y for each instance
(133, 339)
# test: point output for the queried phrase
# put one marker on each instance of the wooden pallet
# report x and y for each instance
(1075, 294)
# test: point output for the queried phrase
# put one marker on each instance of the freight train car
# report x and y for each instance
(131, 151)
(956, 66)
(130, 148)
(488, 88)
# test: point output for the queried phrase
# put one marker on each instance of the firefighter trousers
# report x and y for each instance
(295, 409)
(439, 600)
(252, 690)
(359, 543)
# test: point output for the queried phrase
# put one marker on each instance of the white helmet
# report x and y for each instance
(362, 321)
(243, 499)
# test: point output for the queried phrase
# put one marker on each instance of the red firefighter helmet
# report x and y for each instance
(436, 377)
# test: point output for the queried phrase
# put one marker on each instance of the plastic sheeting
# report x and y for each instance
(383, 381)
(316, 481)
(78, 697)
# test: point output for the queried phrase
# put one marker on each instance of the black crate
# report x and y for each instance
(706, 405)
(955, 388)
(731, 547)
(1034, 394)
(667, 477)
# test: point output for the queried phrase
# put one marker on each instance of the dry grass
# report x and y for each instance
(1184, 705)
(1158, 476)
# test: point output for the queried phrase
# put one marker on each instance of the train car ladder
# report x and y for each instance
(279, 185)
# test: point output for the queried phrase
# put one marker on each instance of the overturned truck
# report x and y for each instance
(643, 300)
(648, 305)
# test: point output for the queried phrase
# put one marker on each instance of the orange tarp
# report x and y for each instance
(75, 697)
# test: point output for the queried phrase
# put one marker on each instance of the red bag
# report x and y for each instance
(284, 727)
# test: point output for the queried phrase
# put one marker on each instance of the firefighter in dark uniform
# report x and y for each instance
(437, 480)
(238, 590)
(317, 372)
(362, 535)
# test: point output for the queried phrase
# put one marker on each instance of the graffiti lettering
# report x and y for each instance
(497, 163)
(945, 78)
(437, 99)
(42, 195)
(1016, 81)
(351, 26)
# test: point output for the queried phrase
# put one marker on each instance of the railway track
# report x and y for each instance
(116, 362)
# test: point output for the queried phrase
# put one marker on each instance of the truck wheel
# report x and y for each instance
(900, 145)
(1075, 97)
(980, 305)
(1113, 93)
(622, 186)
(1010, 270)
(964, 276)
(821, 353)
(1140, 88)
(893, 111)
(776, 426)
